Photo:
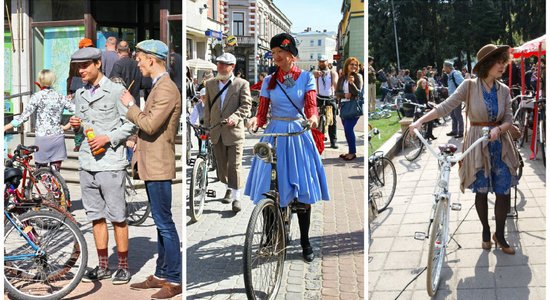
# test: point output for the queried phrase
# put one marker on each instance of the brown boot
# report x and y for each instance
(167, 291)
(150, 283)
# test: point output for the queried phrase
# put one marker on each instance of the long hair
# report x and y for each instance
(347, 63)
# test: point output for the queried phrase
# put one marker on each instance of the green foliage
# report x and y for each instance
(430, 31)
(387, 128)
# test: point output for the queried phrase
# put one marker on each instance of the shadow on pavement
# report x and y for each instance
(342, 244)
(95, 286)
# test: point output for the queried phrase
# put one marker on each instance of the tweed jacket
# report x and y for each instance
(105, 114)
(479, 158)
(236, 107)
(155, 155)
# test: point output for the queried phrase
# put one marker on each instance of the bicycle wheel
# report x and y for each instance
(438, 245)
(197, 189)
(411, 145)
(48, 184)
(188, 146)
(58, 265)
(384, 179)
(542, 141)
(264, 251)
(138, 207)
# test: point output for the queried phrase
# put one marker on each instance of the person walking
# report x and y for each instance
(291, 93)
(454, 79)
(48, 105)
(102, 162)
(228, 103)
(349, 88)
(154, 162)
(490, 167)
(326, 79)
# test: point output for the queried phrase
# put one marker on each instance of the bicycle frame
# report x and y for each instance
(14, 221)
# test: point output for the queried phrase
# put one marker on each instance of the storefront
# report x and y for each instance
(44, 33)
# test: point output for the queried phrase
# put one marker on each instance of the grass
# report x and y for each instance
(387, 128)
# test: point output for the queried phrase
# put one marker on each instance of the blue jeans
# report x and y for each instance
(168, 245)
(349, 124)
(457, 121)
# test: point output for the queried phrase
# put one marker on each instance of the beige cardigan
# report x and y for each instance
(479, 158)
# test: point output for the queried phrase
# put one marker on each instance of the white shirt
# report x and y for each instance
(220, 86)
(194, 118)
(345, 86)
(324, 84)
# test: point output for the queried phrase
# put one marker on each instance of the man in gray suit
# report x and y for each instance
(228, 102)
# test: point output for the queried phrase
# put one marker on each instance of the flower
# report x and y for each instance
(285, 42)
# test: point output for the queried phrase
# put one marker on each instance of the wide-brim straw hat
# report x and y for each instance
(488, 51)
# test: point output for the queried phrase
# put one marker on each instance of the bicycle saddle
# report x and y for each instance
(12, 175)
(448, 148)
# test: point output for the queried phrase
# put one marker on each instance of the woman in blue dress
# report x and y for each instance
(301, 175)
(491, 166)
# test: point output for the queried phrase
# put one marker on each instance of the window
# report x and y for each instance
(311, 43)
(238, 23)
(214, 8)
(311, 55)
(319, 42)
(189, 51)
(57, 10)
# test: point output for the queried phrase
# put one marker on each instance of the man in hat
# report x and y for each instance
(102, 161)
(326, 85)
(454, 79)
(372, 85)
(154, 162)
(228, 102)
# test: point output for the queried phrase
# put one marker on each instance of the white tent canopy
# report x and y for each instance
(200, 64)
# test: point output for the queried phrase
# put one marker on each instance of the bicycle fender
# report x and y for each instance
(271, 195)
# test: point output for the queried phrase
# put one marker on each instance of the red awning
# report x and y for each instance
(530, 48)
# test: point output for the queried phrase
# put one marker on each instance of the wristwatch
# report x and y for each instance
(130, 104)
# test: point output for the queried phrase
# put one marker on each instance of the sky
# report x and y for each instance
(317, 14)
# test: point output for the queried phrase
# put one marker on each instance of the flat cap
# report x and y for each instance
(227, 58)
(85, 42)
(153, 47)
(86, 54)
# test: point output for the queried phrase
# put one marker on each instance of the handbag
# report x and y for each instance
(515, 133)
(318, 136)
(351, 109)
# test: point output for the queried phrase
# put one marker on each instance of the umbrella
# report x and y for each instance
(531, 48)
(201, 64)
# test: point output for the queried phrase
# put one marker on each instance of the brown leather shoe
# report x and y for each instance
(150, 283)
(507, 250)
(167, 291)
(486, 245)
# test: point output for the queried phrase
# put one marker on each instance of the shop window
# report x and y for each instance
(57, 10)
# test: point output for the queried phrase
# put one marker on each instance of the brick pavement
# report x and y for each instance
(395, 258)
(215, 243)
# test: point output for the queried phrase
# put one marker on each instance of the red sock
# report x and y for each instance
(103, 256)
(123, 260)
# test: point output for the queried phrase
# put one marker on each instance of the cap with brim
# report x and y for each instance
(227, 58)
(86, 54)
(153, 47)
(85, 42)
(322, 58)
(488, 51)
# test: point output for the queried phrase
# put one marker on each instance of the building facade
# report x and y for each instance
(314, 44)
(253, 23)
(43, 34)
(351, 31)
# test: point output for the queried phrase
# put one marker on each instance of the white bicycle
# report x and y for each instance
(439, 216)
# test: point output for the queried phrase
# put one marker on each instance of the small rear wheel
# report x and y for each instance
(138, 207)
(47, 183)
(384, 182)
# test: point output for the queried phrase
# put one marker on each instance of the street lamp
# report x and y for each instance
(395, 34)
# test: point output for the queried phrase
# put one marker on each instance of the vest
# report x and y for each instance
(324, 84)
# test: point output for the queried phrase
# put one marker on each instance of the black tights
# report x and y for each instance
(304, 220)
(502, 206)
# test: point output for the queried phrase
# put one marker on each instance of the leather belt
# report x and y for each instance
(285, 119)
(485, 124)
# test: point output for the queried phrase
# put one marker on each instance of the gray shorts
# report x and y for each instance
(103, 195)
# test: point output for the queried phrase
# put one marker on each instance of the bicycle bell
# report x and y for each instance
(264, 152)
(485, 130)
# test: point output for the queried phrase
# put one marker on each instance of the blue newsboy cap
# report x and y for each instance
(153, 47)
(86, 54)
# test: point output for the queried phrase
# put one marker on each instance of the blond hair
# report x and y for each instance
(46, 77)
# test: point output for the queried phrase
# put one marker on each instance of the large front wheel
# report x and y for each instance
(411, 146)
(438, 244)
(197, 190)
(264, 251)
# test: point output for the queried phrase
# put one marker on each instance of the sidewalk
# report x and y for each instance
(215, 243)
(395, 258)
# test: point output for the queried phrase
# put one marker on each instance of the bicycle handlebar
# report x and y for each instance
(305, 127)
(454, 159)
(414, 103)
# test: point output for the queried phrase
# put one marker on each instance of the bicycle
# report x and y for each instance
(138, 207)
(205, 162)
(44, 182)
(439, 216)
(268, 230)
(411, 147)
(523, 115)
(542, 128)
(323, 103)
(45, 254)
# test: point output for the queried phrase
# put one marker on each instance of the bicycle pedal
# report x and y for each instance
(456, 206)
(211, 193)
(420, 236)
